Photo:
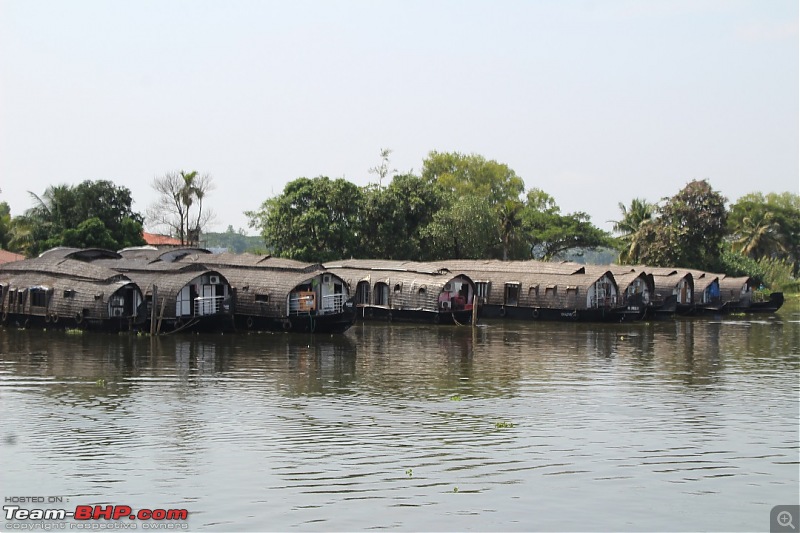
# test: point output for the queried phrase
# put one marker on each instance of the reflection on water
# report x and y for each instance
(683, 424)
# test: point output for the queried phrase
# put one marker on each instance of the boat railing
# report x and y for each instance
(208, 305)
(302, 303)
(333, 303)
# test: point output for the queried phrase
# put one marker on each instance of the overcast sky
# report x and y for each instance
(596, 102)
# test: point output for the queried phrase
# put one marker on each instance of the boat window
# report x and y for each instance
(512, 294)
(482, 288)
(38, 298)
(362, 292)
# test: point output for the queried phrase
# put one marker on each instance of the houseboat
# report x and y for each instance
(707, 300)
(636, 291)
(62, 289)
(536, 290)
(407, 291)
(673, 286)
(738, 294)
(177, 296)
(276, 294)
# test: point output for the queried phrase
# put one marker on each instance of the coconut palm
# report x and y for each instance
(630, 227)
(757, 236)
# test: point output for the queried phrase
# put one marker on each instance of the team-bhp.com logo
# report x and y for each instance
(87, 515)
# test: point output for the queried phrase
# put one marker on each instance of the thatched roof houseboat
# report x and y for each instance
(283, 294)
(407, 291)
(178, 296)
(62, 289)
(707, 292)
(537, 290)
(637, 296)
(737, 293)
(671, 282)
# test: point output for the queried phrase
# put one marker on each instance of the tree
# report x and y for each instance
(689, 230)
(312, 220)
(62, 208)
(5, 225)
(630, 228)
(382, 170)
(766, 226)
(466, 229)
(91, 233)
(473, 175)
(180, 205)
(548, 233)
(393, 218)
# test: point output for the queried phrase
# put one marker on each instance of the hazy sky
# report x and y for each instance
(596, 102)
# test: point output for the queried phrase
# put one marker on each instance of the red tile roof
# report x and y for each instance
(8, 257)
(160, 240)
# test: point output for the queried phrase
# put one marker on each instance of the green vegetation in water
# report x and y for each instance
(100, 383)
(409, 472)
(455, 398)
(504, 425)
(455, 489)
(73, 331)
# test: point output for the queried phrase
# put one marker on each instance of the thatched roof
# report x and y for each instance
(495, 265)
(266, 262)
(59, 265)
(388, 265)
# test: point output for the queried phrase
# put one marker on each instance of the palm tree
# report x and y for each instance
(630, 227)
(510, 213)
(757, 236)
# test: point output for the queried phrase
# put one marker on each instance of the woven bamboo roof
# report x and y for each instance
(388, 265)
(247, 260)
(729, 282)
(58, 265)
(495, 265)
(431, 281)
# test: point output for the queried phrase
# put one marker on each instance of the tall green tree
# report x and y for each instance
(689, 230)
(393, 217)
(63, 208)
(548, 233)
(473, 175)
(466, 229)
(629, 227)
(766, 225)
(312, 220)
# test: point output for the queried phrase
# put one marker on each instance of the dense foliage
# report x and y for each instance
(461, 207)
(90, 214)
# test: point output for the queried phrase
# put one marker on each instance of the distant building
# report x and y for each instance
(10, 257)
(161, 241)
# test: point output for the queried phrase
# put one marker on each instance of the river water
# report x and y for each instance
(680, 425)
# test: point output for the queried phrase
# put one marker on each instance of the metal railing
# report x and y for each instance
(306, 303)
(333, 303)
(208, 305)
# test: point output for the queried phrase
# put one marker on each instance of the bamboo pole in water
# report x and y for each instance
(153, 310)
(161, 315)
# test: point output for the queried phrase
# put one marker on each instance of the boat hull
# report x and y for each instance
(419, 316)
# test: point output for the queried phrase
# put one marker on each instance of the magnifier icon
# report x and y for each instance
(785, 519)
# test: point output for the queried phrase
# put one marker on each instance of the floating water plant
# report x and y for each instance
(504, 425)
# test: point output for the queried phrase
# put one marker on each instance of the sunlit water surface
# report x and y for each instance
(686, 424)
